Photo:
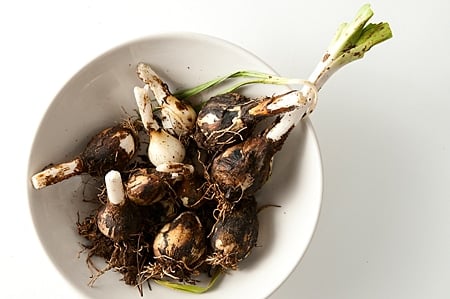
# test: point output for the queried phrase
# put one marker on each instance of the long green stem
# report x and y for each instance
(267, 80)
(351, 42)
(202, 87)
(256, 77)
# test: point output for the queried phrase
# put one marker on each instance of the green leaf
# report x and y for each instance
(202, 87)
(248, 77)
(348, 34)
(188, 287)
(351, 41)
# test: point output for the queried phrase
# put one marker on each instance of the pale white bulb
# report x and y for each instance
(165, 148)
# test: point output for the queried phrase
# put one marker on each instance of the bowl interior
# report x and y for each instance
(100, 95)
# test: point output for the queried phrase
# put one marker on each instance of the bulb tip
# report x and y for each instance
(114, 187)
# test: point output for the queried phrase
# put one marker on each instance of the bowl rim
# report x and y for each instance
(201, 37)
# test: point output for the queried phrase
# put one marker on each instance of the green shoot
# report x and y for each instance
(351, 41)
(256, 77)
(190, 288)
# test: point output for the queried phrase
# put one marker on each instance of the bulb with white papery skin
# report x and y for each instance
(177, 117)
(165, 148)
(112, 148)
(118, 219)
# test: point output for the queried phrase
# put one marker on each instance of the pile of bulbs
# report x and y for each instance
(190, 207)
(192, 198)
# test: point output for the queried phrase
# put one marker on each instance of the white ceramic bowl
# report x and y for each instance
(97, 96)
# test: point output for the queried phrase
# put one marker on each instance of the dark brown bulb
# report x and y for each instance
(190, 191)
(110, 149)
(183, 240)
(221, 121)
(235, 235)
(242, 169)
(146, 186)
(119, 222)
(230, 118)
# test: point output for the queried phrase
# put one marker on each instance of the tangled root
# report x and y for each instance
(126, 257)
(165, 267)
(225, 261)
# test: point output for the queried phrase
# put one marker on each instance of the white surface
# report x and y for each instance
(100, 92)
(382, 124)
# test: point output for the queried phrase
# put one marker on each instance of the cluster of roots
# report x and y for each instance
(165, 267)
(126, 257)
(134, 257)
(224, 261)
(135, 260)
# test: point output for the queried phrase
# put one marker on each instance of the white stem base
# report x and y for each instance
(144, 104)
(114, 187)
(318, 77)
(57, 173)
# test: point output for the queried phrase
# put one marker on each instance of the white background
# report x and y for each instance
(382, 123)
